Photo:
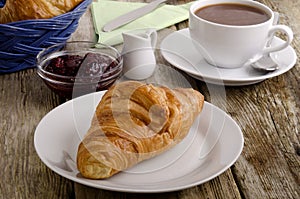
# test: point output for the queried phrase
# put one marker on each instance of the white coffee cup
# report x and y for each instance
(232, 46)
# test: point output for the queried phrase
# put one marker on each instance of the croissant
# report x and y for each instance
(16, 10)
(134, 122)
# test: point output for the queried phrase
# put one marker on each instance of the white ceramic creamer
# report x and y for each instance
(138, 53)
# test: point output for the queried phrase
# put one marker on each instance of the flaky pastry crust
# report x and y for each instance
(17, 10)
(134, 122)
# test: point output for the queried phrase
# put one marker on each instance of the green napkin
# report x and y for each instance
(106, 10)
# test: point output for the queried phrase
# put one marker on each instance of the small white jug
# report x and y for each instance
(138, 53)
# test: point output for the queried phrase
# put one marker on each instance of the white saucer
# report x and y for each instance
(214, 143)
(178, 49)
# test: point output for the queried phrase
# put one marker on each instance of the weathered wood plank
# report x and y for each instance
(24, 100)
(268, 114)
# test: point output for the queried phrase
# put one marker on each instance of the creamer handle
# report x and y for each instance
(153, 36)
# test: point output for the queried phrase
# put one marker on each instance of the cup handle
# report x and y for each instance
(281, 28)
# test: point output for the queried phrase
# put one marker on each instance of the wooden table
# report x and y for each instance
(267, 112)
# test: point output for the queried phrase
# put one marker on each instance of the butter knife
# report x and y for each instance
(132, 15)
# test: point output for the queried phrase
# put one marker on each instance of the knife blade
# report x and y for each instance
(132, 15)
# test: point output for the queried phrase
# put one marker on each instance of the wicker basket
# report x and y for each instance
(21, 41)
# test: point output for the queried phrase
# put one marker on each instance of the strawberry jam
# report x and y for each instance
(75, 75)
(91, 64)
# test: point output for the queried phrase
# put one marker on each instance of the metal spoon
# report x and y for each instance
(266, 63)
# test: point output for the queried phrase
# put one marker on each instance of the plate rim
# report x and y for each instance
(225, 81)
(90, 183)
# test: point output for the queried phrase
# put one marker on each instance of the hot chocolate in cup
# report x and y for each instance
(228, 33)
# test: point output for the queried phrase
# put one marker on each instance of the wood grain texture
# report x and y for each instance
(268, 114)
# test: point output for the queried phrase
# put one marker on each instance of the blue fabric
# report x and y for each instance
(2, 3)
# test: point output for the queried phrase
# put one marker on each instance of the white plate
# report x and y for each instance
(178, 49)
(214, 143)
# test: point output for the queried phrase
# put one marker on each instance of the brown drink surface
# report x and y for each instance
(232, 14)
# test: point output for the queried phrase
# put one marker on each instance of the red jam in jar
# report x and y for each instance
(78, 75)
(91, 64)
